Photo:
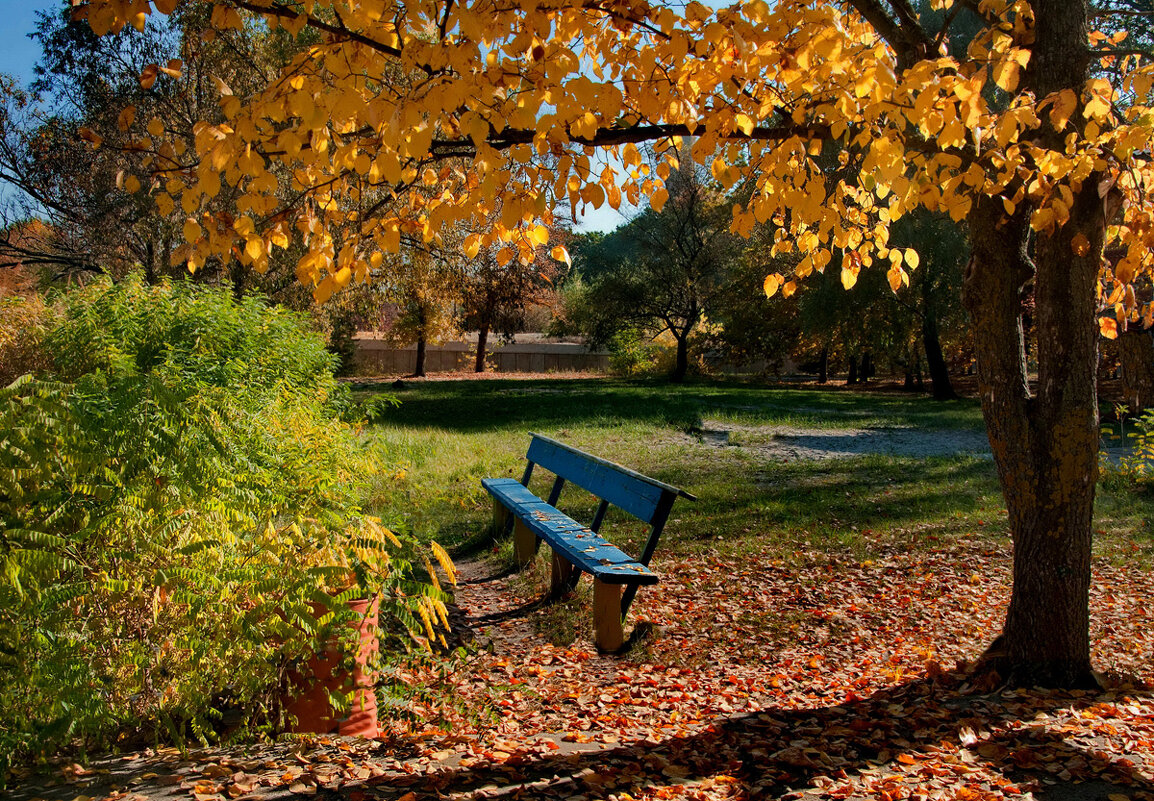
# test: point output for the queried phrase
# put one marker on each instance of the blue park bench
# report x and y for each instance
(578, 548)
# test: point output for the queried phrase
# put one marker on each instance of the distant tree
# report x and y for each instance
(425, 285)
(936, 297)
(495, 296)
(664, 269)
(84, 162)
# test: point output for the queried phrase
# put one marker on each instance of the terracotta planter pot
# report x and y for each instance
(323, 674)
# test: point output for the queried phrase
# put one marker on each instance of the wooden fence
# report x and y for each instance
(377, 357)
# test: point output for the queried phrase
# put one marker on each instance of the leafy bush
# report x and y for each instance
(178, 498)
(1138, 464)
(22, 323)
(632, 353)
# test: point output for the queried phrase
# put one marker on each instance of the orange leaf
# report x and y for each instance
(148, 76)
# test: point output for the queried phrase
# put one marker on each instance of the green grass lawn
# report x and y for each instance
(448, 435)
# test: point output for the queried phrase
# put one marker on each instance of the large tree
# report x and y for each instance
(1046, 160)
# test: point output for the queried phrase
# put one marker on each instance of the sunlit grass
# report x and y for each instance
(447, 436)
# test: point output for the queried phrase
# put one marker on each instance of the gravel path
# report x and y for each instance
(805, 444)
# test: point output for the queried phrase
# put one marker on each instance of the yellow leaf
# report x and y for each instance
(561, 254)
(771, 285)
(125, 119)
(504, 256)
(324, 290)
(173, 69)
(744, 123)
(472, 246)
(254, 247)
(539, 235)
(165, 6)
(191, 230)
(658, 198)
(164, 204)
(912, 260)
(156, 127)
(848, 277)
(897, 276)
(1108, 327)
(613, 195)
(1062, 108)
(131, 184)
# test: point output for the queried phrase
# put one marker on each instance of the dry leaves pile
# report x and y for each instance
(817, 676)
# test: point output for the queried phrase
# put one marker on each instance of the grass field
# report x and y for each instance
(716, 441)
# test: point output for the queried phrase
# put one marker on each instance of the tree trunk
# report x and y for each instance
(238, 275)
(482, 347)
(823, 366)
(852, 377)
(867, 367)
(1136, 349)
(150, 274)
(1045, 446)
(681, 367)
(943, 388)
(419, 367)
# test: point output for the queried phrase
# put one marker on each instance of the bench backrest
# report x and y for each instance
(643, 497)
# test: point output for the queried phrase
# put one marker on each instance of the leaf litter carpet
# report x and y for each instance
(813, 677)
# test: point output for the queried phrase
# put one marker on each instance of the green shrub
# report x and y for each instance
(175, 501)
(1138, 464)
(633, 353)
(22, 323)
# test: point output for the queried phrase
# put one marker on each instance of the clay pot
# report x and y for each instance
(323, 674)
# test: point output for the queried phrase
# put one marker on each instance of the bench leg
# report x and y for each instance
(500, 518)
(524, 543)
(608, 631)
(561, 580)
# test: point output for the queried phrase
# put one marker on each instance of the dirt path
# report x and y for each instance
(811, 444)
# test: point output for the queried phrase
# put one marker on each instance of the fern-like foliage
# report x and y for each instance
(179, 519)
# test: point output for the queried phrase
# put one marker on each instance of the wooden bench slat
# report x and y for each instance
(511, 492)
(587, 550)
(622, 487)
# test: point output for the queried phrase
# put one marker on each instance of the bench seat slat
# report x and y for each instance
(585, 549)
(510, 492)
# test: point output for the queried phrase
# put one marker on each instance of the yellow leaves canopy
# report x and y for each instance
(404, 120)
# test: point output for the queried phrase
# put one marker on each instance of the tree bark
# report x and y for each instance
(1045, 445)
(823, 366)
(419, 367)
(150, 273)
(1136, 349)
(681, 367)
(482, 347)
(852, 377)
(942, 387)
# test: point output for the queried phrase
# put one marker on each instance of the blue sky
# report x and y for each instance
(18, 53)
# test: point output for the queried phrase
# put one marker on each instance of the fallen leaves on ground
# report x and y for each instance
(809, 676)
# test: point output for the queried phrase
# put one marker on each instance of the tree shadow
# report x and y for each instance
(893, 742)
